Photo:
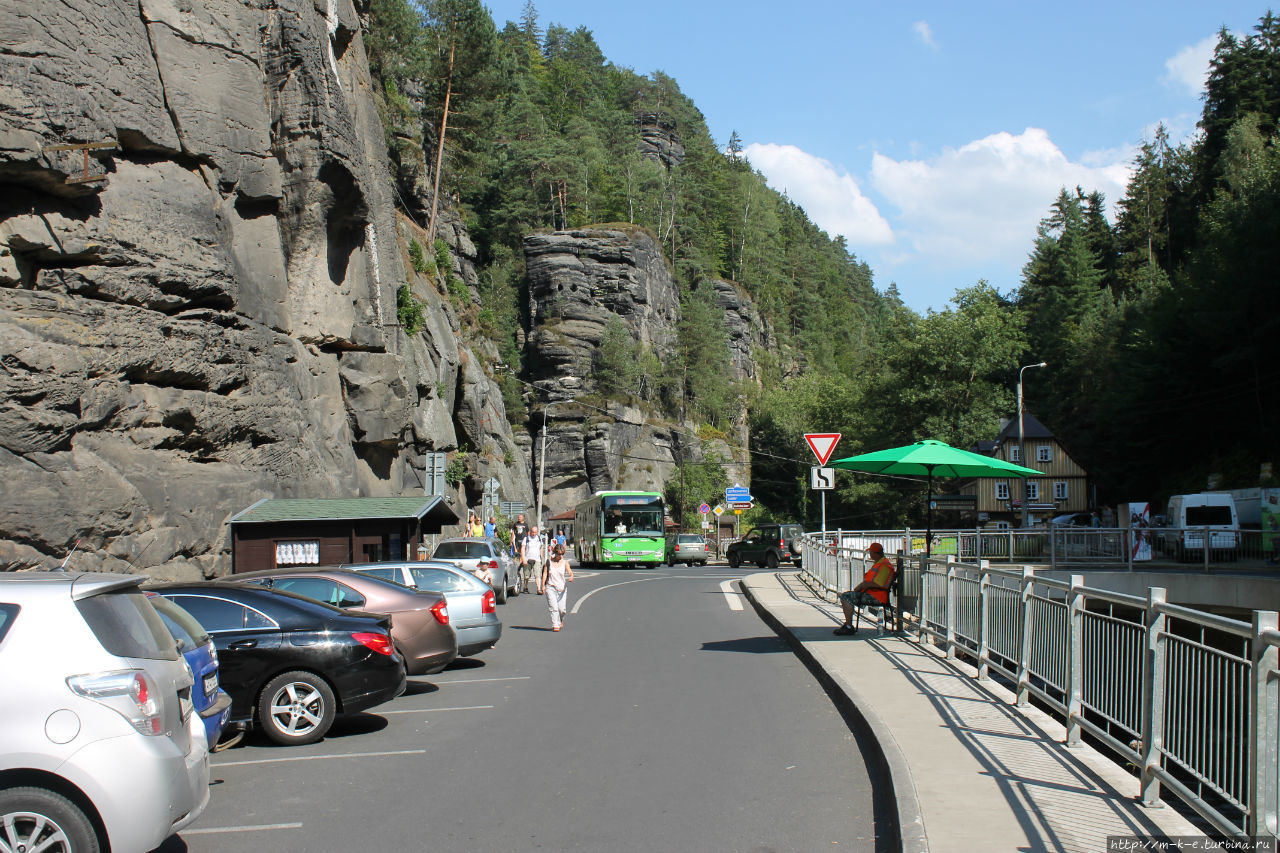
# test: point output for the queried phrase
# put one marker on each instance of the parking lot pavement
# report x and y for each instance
(283, 797)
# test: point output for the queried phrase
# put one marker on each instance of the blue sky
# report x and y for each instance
(933, 136)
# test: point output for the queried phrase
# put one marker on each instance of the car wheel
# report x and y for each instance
(296, 708)
(500, 594)
(734, 562)
(39, 819)
(771, 560)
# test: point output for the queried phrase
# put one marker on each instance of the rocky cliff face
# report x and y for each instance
(213, 321)
(578, 280)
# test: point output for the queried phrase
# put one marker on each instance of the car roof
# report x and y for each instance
(80, 584)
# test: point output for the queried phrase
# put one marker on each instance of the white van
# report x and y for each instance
(1188, 518)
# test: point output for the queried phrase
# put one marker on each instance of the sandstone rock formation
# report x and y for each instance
(215, 321)
(578, 280)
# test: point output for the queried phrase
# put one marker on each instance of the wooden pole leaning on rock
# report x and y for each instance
(84, 177)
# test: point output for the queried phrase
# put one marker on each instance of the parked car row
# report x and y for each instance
(127, 689)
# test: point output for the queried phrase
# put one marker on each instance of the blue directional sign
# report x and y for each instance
(738, 494)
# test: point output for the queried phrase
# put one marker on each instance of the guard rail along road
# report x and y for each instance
(1187, 699)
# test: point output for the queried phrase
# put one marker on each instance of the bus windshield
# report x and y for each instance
(632, 515)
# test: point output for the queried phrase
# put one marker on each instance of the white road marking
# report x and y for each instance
(433, 710)
(319, 757)
(215, 829)
(733, 598)
(579, 602)
(480, 680)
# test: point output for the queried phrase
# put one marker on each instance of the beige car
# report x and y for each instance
(420, 624)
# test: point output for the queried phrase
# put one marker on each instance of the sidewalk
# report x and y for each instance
(970, 771)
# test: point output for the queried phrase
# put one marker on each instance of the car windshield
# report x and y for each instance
(473, 550)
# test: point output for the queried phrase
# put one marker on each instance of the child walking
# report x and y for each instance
(556, 576)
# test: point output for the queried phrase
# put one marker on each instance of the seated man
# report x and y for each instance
(872, 592)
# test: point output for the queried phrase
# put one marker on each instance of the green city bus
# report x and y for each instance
(620, 529)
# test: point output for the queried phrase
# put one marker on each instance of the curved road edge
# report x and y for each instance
(766, 594)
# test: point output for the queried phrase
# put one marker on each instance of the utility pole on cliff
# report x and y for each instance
(542, 461)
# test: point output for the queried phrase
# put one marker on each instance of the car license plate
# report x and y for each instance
(211, 684)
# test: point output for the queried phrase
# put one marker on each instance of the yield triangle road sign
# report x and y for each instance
(822, 443)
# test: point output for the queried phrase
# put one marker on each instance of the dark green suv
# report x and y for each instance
(766, 545)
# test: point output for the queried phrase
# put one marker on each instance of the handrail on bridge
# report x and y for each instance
(1191, 698)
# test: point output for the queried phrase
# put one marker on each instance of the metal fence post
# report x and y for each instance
(1024, 654)
(1075, 660)
(1207, 549)
(1053, 547)
(928, 604)
(1263, 694)
(1153, 697)
(951, 607)
(1126, 541)
(984, 647)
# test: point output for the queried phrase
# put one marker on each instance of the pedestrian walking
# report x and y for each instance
(477, 529)
(491, 528)
(519, 530)
(556, 576)
(531, 557)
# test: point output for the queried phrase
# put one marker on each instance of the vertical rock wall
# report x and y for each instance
(215, 322)
(578, 281)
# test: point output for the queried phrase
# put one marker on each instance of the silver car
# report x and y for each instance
(476, 555)
(471, 601)
(100, 747)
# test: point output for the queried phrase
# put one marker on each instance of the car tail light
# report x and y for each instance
(492, 565)
(706, 547)
(440, 610)
(380, 643)
(488, 604)
(129, 692)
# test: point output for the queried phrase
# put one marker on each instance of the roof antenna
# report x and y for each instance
(63, 567)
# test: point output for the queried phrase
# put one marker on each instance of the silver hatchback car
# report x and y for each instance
(100, 745)
(471, 601)
(477, 555)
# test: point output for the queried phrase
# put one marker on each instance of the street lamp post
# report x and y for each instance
(1021, 438)
(542, 460)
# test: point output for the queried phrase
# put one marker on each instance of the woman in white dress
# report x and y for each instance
(556, 576)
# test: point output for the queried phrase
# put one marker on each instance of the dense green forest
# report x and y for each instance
(1155, 326)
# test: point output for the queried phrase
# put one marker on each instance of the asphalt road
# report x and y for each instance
(666, 716)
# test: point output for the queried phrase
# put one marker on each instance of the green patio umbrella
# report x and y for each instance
(932, 458)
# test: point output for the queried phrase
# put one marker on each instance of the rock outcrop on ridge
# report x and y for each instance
(214, 321)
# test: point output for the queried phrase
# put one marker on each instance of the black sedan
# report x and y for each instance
(292, 664)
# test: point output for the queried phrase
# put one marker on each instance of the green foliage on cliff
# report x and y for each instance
(409, 311)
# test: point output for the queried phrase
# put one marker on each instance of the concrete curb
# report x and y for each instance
(889, 761)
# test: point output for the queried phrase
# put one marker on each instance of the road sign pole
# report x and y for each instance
(824, 515)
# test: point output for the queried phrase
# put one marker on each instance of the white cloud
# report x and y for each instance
(1189, 67)
(831, 198)
(981, 203)
(924, 33)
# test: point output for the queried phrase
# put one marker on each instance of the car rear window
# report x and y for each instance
(1201, 515)
(181, 624)
(442, 580)
(127, 625)
(461, 550)
(690, 540)
(8, 612)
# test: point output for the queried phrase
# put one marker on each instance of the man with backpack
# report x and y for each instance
(531, 556)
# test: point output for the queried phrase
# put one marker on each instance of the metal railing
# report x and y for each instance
(1067, 547)
(1188, 700)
